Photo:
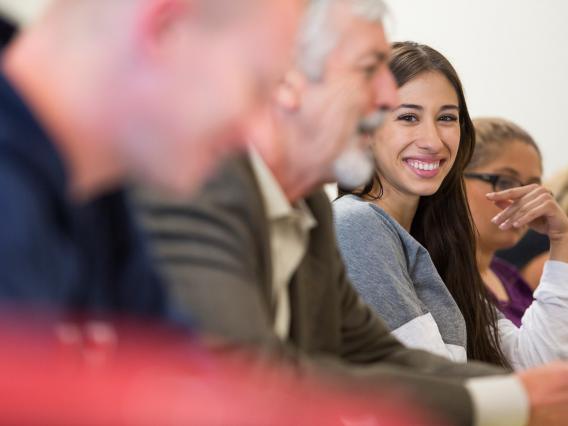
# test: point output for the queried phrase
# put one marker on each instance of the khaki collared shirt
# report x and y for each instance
(289, 230)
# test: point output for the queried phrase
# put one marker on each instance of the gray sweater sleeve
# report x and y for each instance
(376, 261)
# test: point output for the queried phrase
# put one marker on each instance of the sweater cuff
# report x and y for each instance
(498, 401)
(554, 278)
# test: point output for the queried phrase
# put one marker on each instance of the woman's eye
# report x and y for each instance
(505, 183)
(411, 118)
(448, 117)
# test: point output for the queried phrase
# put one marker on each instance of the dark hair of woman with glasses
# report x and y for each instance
(505, 157)
(408, 239)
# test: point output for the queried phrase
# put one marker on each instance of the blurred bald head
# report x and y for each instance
(169, 83)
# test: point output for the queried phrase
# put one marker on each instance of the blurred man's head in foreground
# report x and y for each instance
(163, 85)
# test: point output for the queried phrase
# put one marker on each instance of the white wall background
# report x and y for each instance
(512, 56)
(24, 11)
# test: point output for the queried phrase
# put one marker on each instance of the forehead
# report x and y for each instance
(517, 156)
(429, 88)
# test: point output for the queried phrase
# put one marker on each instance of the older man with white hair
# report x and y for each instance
(254, 257)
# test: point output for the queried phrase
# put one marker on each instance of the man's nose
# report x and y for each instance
(386, 91)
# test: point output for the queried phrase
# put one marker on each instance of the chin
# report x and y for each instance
(176, 186)
(181, 179)
(510, 239)
(425, 190)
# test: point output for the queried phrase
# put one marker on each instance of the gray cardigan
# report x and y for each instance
(396, 276)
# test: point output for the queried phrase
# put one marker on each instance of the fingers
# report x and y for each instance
(537, 209)
(520, 206)
(540, 207)
(531, 212)
(503, 204)
(514, 193)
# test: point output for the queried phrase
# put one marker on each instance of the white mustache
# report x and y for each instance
(371, 123)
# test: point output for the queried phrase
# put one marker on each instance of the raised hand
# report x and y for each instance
(535, 207)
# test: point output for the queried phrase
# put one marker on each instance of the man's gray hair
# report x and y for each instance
(317, 37)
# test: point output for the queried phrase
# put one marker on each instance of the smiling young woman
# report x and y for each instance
(407, 237)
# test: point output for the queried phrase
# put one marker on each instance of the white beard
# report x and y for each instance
(355, 166)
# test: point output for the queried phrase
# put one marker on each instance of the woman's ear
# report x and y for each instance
(290, 90)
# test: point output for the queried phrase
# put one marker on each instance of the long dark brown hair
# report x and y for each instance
(443, 222)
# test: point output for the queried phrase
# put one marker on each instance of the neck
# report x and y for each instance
(294, 186)
(55, 92)
(295, 183)
(401, 207)
(484, 256)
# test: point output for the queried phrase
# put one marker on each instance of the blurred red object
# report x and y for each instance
(95, 373)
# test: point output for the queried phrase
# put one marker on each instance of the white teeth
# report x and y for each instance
(421, 165)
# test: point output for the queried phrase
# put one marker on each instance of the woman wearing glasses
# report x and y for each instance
(408, 240)
(505, 157)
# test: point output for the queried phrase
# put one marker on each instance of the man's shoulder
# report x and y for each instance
(233, 181)
(233, 196)
(227, 213)
(21, 194)
(31, 256)
(235, 176)
(32, 212)
(231, 191)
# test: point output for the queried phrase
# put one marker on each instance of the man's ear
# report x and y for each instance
(159, 20)
(290, 90)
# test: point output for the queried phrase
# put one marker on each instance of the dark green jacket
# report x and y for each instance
(216, 252)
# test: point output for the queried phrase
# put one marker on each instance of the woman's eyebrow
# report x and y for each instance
(509, 171)
(454, 107)
(409, 106)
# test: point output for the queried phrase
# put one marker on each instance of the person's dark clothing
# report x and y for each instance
(519, 292)
(55, 254)
(531, 245)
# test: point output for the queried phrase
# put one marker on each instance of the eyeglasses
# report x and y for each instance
(498, 182)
